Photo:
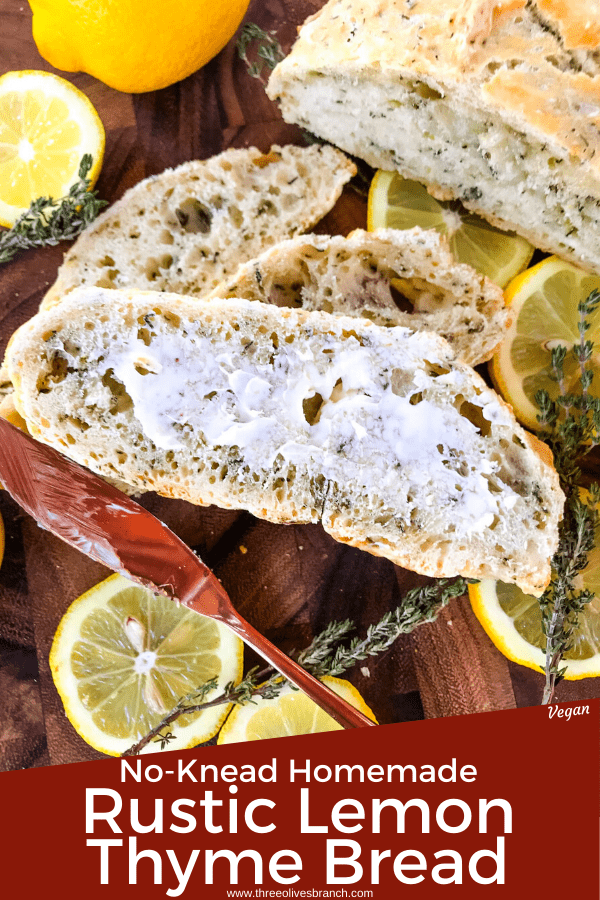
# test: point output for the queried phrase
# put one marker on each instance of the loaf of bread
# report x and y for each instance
(492, 102)
(390, 277)
(190, 227)
(378, 433)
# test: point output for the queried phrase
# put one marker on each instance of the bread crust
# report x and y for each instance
(576, 20)
(460, 44)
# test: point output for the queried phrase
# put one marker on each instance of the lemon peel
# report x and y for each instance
(543, 301)
(513, 622)
(290, 713)
(138, 46)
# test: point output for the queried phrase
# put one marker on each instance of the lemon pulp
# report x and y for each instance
(290, 713)
(46, 126)
(513, 621)
(544, 301)
(123, 657)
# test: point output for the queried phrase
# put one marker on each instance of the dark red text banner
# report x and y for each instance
(503, 802)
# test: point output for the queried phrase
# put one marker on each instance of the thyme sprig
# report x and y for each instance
(572, 430)
(49, 221)
(326, 655)
(259, 48)
(563, 600)
(572, 421)
(195, 702)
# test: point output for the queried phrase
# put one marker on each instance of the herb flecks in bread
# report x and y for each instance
(188, 228)
(378, 433)
(388, 276)
(496, 104)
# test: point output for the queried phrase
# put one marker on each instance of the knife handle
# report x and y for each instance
(339, 709)
(208, 597)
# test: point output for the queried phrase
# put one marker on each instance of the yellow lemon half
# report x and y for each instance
(397, 202)
(290, 713)
(123, 657)
(46, 126)
(543, 301)
(134, 45)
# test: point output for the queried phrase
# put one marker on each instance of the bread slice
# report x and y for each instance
(390, 277)
(496, 104)
(190, 227)
(378, 433)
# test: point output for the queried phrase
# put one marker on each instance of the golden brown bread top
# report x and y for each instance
(531, 63)
(577, 21)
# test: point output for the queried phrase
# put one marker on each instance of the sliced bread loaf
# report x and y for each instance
(378, 433)
(493, 102)
(190, 227)
(391, 277)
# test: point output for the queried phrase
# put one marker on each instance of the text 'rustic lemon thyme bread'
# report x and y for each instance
(378, 433)
(493, 102)
(190, 227)
(388, 276)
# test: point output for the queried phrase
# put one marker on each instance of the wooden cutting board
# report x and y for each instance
(289, 581)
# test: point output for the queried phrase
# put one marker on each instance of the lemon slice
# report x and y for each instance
(543, 301)
(290, 713)
(46, 126)
(123, 657)
(513, 621)
(396, 202)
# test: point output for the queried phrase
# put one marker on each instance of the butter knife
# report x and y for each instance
(106, 525)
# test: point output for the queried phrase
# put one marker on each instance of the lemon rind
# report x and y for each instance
(376, 218)
(500, 366)
(240, 717)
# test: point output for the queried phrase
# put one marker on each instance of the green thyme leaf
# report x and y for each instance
(259, 49)
(325, 655)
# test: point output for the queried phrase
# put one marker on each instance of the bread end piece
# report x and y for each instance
(482, 102)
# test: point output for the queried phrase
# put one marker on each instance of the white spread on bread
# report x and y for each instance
(232, 400)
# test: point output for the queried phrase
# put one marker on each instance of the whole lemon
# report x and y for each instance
(134, 45)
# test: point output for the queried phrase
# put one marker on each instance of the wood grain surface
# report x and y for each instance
(292, 580)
